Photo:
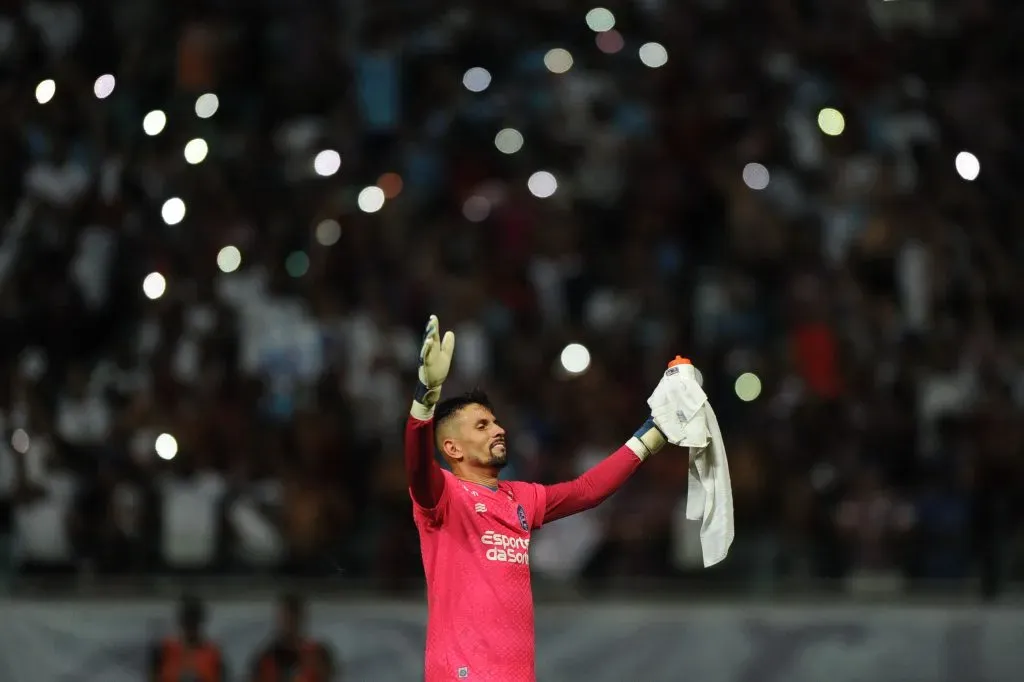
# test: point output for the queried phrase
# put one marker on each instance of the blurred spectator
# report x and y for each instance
(44, 501)
(874, 525)
(187, 654)
(215, 263)
(192, 497)
(291, 656)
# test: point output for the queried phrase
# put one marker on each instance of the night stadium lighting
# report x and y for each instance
(575, 358)
(46, 90)
(173, 211)
(653, 55)
(967, 166)
(508, 141)
(207, 105)
(104, 86)
(542, 184)
(327, 163)
(196, 151)
(328, 232)
(154, 122)
(476, 79)
(558, 60)
(371, 199)
(755, 176)
(166, 446)
(154, 286)
(600, 19)
(229, 259)
(831, 121)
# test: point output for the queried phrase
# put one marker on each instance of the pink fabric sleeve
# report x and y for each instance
(424, 474)
(590, 489)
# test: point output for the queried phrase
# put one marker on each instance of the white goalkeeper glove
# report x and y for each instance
(647, 440)
(435, 363)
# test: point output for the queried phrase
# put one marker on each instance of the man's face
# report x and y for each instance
(479, 438)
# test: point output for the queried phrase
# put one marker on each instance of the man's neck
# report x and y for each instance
(487, 478)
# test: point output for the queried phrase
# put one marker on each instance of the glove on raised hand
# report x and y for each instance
(435, 363)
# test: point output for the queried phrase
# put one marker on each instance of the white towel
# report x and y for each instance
(681, 410)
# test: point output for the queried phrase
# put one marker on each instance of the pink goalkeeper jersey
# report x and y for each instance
(475, 543)
(475, 546)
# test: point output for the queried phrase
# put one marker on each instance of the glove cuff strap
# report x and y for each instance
(423, 402)
(421, 412)
(647, 440)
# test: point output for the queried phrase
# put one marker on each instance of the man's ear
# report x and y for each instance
(450, 449)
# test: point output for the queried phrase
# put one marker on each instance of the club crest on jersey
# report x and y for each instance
(521, 513)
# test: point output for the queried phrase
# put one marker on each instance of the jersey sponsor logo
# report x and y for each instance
(480, 508)
(505, 548)
(521, 513)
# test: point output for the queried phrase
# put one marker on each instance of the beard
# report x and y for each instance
(498, 455)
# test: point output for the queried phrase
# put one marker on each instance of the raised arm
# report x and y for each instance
(426, 480)
(604, 478)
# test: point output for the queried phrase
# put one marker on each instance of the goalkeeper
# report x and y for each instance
(475, 530)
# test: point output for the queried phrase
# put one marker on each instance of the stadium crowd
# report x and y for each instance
(864, 280)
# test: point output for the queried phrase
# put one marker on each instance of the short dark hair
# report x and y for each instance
(447, 409)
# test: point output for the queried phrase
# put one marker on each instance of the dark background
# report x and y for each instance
(870, 287)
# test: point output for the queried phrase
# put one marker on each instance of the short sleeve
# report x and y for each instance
(533, 497)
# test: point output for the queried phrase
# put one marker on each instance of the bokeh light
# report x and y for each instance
(327, 163)
(748, 387)
(166, 446)
(46, 90)
(831, 121)
(542, 184)
(328, 232)
(297, 264)
(371, 199)
(173, 211)
(968, 166)
(229, 259)
(20, 441)
(755, 176)
(196, 151)
(154, 122)
(476, 209)
(610, 42)
(653, 55)
(476, 79)
(558, 60)
(600, 19)
(508, 141)
(104, 86)
(391, 184)
(154, 285)
(207, 105)
(575, 358)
